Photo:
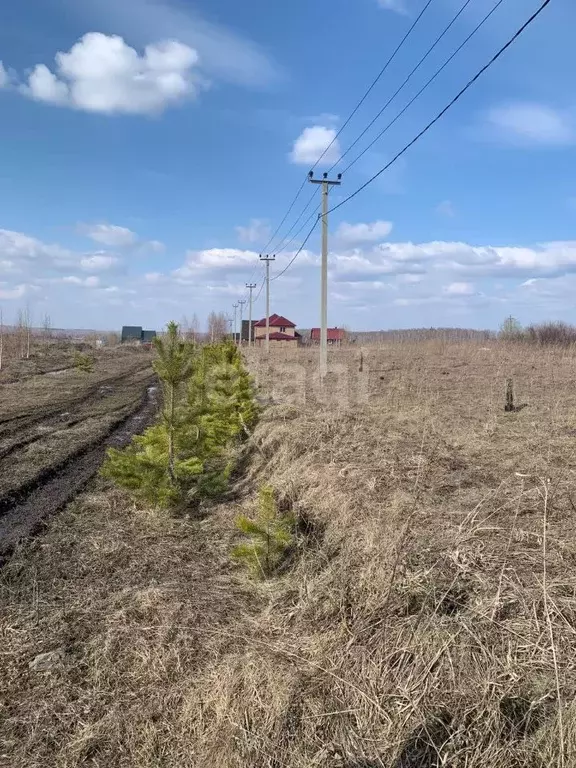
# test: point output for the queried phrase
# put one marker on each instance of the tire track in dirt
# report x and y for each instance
(24, 512)
(14, 421)
(37, 427)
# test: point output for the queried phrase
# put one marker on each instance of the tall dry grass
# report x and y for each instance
(427, 617)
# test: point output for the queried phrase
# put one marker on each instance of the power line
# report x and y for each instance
(298, 252)
(416, 68)
(260, 289)
(425, 86)
(288, 212)
(374, 82)
(347, 121)
(299, 218)
(448, 106)
(296, 234)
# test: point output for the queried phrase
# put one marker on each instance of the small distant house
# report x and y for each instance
(282, 331)
(131, 333)
(135, 333)
(335, 336)
(246, 330)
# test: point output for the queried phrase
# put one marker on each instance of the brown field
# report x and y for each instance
(427, 617)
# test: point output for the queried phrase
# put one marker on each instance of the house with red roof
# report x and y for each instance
(282, 331)
(335, 336)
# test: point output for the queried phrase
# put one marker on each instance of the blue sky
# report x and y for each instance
(150, 147)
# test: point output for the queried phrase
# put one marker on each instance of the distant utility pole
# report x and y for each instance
(235, 307)
(250, 287)
(267, 259)
(326, 184)
(229, 320)
(241, 302)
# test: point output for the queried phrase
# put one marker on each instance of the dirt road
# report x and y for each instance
(54, 431)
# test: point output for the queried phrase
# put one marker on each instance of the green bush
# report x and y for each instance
(269, 537)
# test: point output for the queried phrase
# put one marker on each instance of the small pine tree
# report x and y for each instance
(269, 537)
(83, 363)
(174, 365)
(190, 454)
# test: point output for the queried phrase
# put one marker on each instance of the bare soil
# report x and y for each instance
(54, 432)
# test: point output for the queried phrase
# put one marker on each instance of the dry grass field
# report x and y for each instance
(426, 619)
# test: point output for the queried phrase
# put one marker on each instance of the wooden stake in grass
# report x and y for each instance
(509, 407)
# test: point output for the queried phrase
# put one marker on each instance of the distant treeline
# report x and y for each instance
(551, 334)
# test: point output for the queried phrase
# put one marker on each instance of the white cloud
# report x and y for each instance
(153, 277)
(43, 85)
(86, 282)
(356, 234)
(20, 248)
(398, 6)
(445, 208)
(257, 231)
(216, 259)
(460, 259)
(533, 123)
(459, 289)
(98, 262)
(4, 78)
(154, 245)
(102, 73)
(225, 54)
(16, 292)
(109, 234)
(119, 237)
(312, 142)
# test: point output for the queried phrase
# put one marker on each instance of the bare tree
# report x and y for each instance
(21, 322)
(217, 326)
(28, 329)
(195, 327)
(47, 326)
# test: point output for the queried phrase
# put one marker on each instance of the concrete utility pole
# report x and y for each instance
(250, 287)
(235, 308)
(326, 184)
(241, 302)
(267, 259)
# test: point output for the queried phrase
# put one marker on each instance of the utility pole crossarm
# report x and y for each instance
(326, 184)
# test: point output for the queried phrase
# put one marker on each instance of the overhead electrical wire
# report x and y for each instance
(436, 119)
(288, 212)
(441, 114)
(349, 118)
(468, 85)
(298, 252)
(424, 87)
(374, 82)
(403, 85)
(281, 246)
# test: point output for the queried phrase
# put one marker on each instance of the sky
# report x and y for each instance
(149, 149)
